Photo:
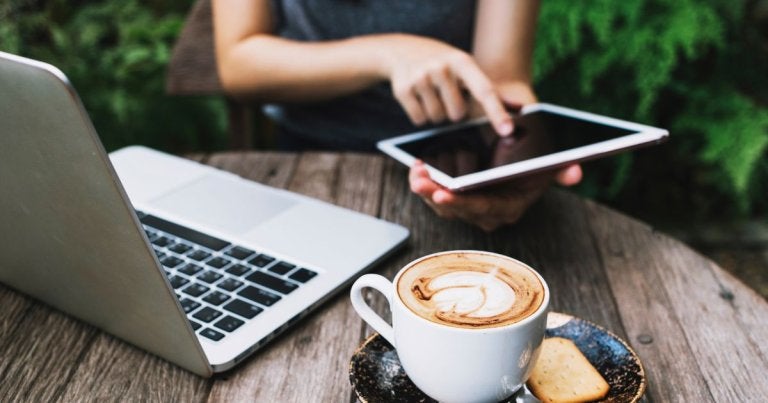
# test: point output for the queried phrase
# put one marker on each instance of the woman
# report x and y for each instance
(342, 74)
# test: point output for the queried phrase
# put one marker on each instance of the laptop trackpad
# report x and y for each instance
(226, 204)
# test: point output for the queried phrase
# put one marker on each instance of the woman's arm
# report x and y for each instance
(503, 46)
(427, 76)
(255, 64)
(505, 33)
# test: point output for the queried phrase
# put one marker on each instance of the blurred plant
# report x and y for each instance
(695, 67)
(115, 54)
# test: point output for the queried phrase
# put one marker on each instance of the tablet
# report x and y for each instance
(469, 155)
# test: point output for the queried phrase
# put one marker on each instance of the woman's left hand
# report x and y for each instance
(492, 208)
(498, 205)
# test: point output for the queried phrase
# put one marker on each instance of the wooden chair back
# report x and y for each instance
(192, 71)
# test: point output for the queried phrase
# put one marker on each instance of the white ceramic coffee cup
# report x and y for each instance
(452, 364)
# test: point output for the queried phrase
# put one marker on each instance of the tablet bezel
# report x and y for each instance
(642, 135)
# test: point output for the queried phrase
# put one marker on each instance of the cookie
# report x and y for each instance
(563, 374)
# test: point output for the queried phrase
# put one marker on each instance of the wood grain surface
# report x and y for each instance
(700, 333)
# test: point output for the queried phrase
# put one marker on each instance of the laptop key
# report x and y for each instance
(243, 309)
(180, 248)
(178, 281)
(207, 314)
(185, 233)
(282, 268)
(218, 262)
(272, 282)
(189, 305)
(302, 275)
(261, 260)
(161, 242)
(209, 276)
(198, 255)
(195, 325)
(171, 261)
(190, 269)
(258, 295)
(212, 334)
(238, 270)
(229, 324)
(239, 253)
(230, 284)
(216, 298)
(195, 290)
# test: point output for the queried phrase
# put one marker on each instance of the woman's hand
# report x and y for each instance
(429, 79)
(498, 205)
(492, 208)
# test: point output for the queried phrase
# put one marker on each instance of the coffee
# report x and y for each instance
(453, 313)
(471, 290)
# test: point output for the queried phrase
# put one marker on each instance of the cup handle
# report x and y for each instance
(381, 285)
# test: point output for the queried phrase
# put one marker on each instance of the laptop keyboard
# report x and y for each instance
(220, 285)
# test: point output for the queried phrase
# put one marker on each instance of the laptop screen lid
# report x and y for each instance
(69, 236)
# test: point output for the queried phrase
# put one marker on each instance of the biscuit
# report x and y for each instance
(563, 374)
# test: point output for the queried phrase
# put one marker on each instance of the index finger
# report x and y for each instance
(482, 90)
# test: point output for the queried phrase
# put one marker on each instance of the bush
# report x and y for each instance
(115, 53)
(694, 67)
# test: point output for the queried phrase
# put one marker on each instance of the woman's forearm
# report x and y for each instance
(256, 64)
(265, 67)
(504, 39)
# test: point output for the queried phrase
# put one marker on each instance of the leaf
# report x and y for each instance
(734, 132)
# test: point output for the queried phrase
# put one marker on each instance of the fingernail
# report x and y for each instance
(505, 129)
(439, 197)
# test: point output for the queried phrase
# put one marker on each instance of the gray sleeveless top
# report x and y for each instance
(357, 121)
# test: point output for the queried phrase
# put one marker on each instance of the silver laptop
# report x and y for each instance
(194, 264)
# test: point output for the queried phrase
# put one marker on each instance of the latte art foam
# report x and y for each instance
(471, 293)
(468, 293)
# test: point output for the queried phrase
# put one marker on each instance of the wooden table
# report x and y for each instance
(701, 334)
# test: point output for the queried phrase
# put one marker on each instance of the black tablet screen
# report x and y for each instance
(478, 148)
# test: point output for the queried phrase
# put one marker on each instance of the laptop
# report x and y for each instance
(196, 265)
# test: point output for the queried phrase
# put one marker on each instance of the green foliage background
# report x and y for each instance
(115, 53)
(696, 67)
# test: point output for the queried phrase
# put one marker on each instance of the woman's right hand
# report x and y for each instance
(429, 78)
